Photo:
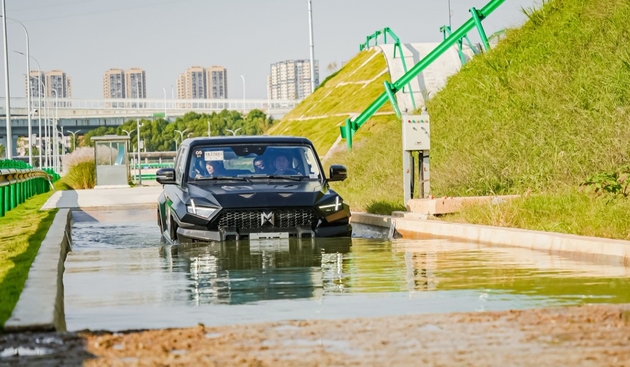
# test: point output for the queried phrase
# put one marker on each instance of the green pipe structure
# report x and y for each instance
(478, 15)
(397, 46)
(446, 31)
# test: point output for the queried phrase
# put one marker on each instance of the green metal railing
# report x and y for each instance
(397, 47)
(19, 181)
(446, 31)
(351, 126)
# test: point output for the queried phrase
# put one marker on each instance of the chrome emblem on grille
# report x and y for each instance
(267, 218)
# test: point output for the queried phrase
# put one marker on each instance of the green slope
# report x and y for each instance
(344, 94)
(548, 106)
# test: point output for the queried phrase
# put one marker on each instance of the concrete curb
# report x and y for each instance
(41, 304)
(587, 247)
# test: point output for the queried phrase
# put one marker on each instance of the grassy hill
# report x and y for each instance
(549, 106)
(344, 94)
(545, 109)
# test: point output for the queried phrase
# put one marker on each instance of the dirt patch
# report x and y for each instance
(575, 336)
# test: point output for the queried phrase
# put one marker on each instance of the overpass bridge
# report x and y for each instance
(89, 114)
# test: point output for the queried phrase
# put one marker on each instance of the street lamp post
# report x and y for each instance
(209, 132)
(233, 131)
(28, 95)
(312, 46)
(7, 92)
(74, 139)
(243, 77)
(164, 89)
(55, 152)
(40, 90)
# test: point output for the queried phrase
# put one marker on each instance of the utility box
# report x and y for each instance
(416, 132)
(416, 140)
(112, 161)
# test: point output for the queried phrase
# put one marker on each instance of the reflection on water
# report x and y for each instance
(237, 273)
(121, 276)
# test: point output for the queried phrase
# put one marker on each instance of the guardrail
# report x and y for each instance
(351, 126)
(19, 181)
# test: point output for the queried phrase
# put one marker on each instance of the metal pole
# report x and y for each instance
(450, 14)
(243, 77)
(138, 124)
(7, 93)
(209, 132)
(53, 131)
(312, 46)
(164, 89)
(28, 91)
(40, 90)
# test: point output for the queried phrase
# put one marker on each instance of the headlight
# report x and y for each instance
(334, 207)
(199, 210)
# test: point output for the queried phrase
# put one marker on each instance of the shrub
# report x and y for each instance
(77, 156)
(80, 168)
(82, 175)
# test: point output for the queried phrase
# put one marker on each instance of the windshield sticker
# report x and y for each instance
(214, 155)
(312, 175)
(198, 153)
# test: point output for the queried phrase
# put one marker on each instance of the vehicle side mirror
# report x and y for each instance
(165, 176)
(338, 173)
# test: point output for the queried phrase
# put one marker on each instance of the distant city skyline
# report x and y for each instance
(291, 79)
(86, 38)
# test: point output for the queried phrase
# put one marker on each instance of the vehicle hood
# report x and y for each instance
(258, 194)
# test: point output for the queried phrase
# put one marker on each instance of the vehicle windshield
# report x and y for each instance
(253, 162)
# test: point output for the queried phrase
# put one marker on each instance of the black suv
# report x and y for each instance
(234, 188)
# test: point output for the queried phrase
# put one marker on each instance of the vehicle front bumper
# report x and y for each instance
(189, 235)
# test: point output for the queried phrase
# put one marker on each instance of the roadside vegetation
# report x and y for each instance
(544, 114)
(159, 135)
(23, 230)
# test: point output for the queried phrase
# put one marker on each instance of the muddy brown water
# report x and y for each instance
(120, 275)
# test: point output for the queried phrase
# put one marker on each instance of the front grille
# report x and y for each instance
(252, 219)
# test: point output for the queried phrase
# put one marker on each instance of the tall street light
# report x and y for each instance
(310, 33)
(55, 152)
(28, 95)
(181, 133)
(243, 77)
(40, 91)
(164, 89)
(233, 131)
(139, 126)
(7, 93)
(209, 132)
(74, 139)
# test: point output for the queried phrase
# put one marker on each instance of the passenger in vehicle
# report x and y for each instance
(260, 167)
(212, 168)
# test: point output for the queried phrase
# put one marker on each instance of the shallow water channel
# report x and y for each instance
(120, 275)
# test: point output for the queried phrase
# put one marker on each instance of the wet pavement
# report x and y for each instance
(121, 275)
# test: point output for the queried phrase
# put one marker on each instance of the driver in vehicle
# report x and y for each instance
(283, 166)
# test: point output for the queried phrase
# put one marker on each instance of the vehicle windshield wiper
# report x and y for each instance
(226, 178)
(288, 177)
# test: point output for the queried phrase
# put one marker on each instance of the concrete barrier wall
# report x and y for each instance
(41, 304)
(586, 247)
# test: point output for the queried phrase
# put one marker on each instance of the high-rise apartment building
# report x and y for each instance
(135, 83)
(114, 84)
(291, 79)
(118, 83)
(216, 80)
(55, 83)
(203, 83)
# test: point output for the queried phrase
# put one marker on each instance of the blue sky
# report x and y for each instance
(85, 38)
